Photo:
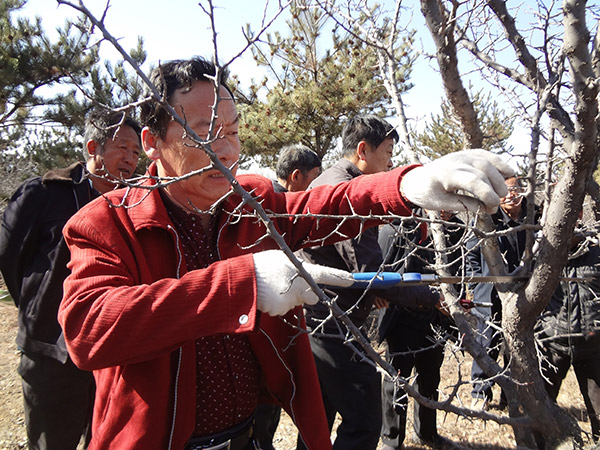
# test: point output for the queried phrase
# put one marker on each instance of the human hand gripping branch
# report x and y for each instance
(469, 179)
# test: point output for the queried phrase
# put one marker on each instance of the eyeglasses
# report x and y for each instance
(515, 189)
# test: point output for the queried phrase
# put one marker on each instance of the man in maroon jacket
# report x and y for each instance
(176, 292)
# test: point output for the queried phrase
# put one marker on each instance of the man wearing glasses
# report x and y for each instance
(512, 212)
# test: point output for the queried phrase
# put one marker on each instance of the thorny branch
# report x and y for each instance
(383, 39)
(247, 198)
(547, 101)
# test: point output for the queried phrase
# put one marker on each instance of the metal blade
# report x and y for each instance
(388, 279)
(481, 279)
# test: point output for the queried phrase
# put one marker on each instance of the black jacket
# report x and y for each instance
(34, 257)
(511, 246)
(361, 254)
(571, 321)
(404, 252)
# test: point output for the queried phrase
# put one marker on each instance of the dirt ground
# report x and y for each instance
(473, 434)
(12, 425)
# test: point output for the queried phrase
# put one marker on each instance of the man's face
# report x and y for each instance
(512, 202)
(379, 159)
(177, 155)
(116, 159)
(121, 154)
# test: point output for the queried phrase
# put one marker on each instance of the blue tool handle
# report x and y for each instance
(377, 279)
(388, 279)
(412, 276)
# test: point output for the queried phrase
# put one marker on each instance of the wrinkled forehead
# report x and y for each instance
(123, 132)
(197, 102)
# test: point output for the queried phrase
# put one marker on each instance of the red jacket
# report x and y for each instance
(131, 312)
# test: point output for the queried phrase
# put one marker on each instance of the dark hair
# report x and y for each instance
(101, 125)
(296, 156)
(369, 128)
(167, 78)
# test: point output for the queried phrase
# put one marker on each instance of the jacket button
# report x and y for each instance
(243, 319)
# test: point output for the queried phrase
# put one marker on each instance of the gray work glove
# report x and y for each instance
(281, 288)
(462, 180)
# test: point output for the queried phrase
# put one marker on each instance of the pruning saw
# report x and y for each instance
(384, 280)
(388, 279)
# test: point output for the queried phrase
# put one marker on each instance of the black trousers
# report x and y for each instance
(403, 345)
(587, 371)
(58, 400)
(266, 420)
(493, 340)
(351, 387)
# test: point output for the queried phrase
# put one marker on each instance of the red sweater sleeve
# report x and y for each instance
(126, 302)
(376, 194)
(129, 298)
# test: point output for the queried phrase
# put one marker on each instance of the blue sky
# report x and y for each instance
(171, 30)
(180, 29)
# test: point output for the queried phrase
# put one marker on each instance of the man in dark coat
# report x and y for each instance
(569, 329)
(351, 386)
(33, 261)
(414, 336)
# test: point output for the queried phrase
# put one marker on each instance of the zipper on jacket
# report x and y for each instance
(175, 400)
(293, 415)
(178, 371)
(179, 254)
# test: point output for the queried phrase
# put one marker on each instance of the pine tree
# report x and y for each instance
(309, 94)
(46, 88)
(33, 69)
(443, 134)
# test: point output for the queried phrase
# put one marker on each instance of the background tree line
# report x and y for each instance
(545, 67)
(316, 76)
(46, 88)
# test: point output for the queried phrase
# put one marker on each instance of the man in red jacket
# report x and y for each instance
(182, 304)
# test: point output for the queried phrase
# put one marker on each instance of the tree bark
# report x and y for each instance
(442, 31)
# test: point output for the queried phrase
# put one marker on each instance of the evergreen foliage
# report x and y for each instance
(308, 95)
(444, 134)
(47, 85)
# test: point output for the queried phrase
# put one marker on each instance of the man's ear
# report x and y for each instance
(149, 141)
(295, 175)
(92, 147)
(361, 150)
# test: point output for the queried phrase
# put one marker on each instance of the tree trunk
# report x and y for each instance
(553, 427)
(442, 32)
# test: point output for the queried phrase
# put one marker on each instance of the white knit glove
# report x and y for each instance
(477, 173)
(281, 288)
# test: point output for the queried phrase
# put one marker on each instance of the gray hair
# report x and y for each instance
(296, 156)
(101, 125)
